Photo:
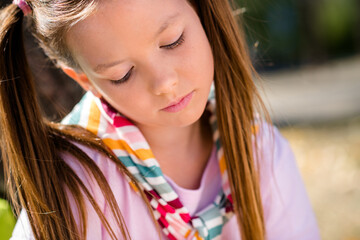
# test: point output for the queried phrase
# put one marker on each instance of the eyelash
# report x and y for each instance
(124, 79)
(176, 43)
(170, 46)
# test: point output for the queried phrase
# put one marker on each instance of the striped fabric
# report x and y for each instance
(131, 148)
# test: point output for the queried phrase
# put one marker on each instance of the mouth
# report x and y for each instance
(180, 104)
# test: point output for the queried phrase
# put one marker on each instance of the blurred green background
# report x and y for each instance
(7, 220)
(308, 56)
(289, 33)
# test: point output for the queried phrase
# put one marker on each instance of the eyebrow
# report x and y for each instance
(167, 23)
(101, 67)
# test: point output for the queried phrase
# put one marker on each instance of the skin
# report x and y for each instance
(126, 31)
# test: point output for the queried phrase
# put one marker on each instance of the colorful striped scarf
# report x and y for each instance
(131, 148)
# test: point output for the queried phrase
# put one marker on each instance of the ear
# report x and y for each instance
(82, 80)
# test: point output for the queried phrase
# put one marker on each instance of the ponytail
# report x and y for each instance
(24, 141)
(34, 171)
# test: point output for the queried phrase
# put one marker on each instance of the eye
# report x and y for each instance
(176, 43)
(124, 79)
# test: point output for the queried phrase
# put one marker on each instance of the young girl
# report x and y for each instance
(147, 153)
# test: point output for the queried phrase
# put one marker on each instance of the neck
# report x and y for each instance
(174, 139)
(181, 148)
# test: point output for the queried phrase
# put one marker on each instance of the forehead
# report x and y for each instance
(117, 26)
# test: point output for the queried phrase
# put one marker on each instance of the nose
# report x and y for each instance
(163, 79)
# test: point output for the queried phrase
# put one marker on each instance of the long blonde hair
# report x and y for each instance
(37, 174)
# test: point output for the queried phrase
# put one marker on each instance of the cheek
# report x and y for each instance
(203, 61)
(206, 52)
(113, 94)
(208, 59)
(197, 59)
(130, 100)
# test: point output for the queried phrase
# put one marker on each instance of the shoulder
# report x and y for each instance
(273, 149)
(272, 152)
(131, 205)
(287, 209)
(108, 168)
(113, 176)
(278, 171)
(101, 161)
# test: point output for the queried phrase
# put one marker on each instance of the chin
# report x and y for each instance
(187, 118)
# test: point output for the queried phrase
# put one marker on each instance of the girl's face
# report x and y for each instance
(143, 56)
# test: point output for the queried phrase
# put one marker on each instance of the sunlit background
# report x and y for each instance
(308, 56)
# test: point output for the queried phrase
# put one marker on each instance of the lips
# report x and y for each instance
(178, 105)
